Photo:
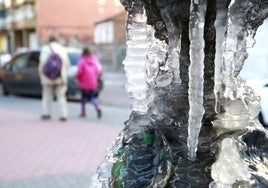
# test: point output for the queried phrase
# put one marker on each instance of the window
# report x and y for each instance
(7, 66)
(2, 13)
(34, 59)
(73, 57)
(104, 33)
(19, 62)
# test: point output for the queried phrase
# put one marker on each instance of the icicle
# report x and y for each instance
(196, 74)
(220, 25)
(235, 46)
(135, 62)
(173, 61)
(156, 55)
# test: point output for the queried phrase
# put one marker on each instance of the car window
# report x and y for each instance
(8, 66)
(19, 62)
(73, 57)
(33, 59)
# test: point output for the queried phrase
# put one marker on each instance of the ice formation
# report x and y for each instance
(194, 121)
(220, 27)
(235, 46)
(196, 73)
(230, 167)
(135, 62)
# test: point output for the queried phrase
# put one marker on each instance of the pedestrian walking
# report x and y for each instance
(53, 66)
(87, 75)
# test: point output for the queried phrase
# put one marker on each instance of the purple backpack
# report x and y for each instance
(52, 67)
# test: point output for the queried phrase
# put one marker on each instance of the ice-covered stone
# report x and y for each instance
(194, 121)
(230, 168)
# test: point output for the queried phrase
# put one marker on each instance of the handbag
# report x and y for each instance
(100, 86)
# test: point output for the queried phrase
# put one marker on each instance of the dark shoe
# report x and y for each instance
(99, 113)
(45, 117)
(63, 119)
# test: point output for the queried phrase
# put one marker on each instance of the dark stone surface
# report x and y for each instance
(140, 159)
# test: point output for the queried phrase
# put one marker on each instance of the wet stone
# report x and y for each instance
(191, 123)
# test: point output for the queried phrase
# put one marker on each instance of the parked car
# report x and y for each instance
(20, 74)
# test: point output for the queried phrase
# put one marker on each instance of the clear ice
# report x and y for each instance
(230, 167)
(196, 74)
(135, 62)
(234, 46)
(194, 121)
(220, 26)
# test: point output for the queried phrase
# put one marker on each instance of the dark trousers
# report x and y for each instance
(88, 95)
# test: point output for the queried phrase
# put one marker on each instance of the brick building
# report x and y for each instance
(110, 39)
(30, 22)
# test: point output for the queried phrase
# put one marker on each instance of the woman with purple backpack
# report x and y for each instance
(87, 75)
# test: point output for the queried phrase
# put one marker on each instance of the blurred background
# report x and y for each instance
(51, 154)
(26, 24)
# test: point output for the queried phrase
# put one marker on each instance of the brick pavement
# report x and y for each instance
(51, 154)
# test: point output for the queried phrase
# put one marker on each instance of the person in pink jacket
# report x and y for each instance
(87, 76)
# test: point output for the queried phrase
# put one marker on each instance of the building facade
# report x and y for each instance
(31, 22)
(3, 27)
(21, 24)
(110, 40)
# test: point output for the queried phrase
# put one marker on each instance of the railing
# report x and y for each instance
(20, 2)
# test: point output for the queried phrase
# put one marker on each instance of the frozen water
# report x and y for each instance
(135, 62)
(182, 58)
(239, 36)
(174, 46)
(229, 167)
(196, 74)
(220, 25)
(156, 56)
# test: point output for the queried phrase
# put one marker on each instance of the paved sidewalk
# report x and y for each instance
(53, 154)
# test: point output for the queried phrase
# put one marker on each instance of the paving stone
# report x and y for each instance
(49, 154)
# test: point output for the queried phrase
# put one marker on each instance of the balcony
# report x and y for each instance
(23, 24)
(22, 17)
(22, 2)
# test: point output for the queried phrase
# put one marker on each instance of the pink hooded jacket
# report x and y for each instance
(88, 72)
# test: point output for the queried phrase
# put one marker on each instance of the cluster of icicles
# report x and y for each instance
(145, 53)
